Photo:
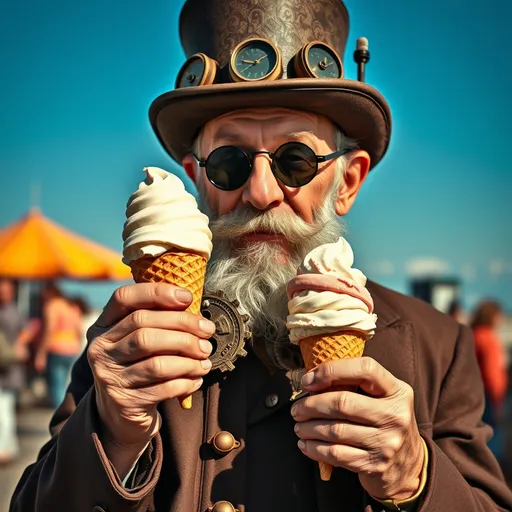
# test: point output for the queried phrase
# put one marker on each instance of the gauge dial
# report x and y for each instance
(255, 59)
(198, 70)
(318, 60)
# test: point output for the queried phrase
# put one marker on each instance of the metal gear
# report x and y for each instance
(231, 331)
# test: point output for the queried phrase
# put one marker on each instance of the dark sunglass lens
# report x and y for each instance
(228, 168)
(295, 164)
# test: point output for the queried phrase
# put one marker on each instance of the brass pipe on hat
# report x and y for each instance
(361, 56)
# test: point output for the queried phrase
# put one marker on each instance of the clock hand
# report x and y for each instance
(245, 69)
(323, 65)
(253, 63)
(249, 61)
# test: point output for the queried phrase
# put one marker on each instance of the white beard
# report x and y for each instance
(257, 274)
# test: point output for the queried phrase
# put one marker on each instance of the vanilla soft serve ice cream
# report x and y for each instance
(161, 216)
(328, 295)
(330, 310)
(166, 238)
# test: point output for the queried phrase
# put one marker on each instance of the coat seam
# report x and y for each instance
(447, 375)
(204, 440)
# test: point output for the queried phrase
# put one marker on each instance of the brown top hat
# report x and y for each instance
(267, 53)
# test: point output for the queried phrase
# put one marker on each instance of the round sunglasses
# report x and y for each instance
(294, 164)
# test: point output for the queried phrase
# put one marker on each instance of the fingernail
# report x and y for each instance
(301, 444)
(205, 346)
(206, 326)
(296, 427)
(308, 379)
(183, 296)
(206, 364)
(294, 410)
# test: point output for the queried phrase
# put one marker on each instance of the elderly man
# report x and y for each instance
(277, 156)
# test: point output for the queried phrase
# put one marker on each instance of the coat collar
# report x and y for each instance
(393, 344)
(386, 315)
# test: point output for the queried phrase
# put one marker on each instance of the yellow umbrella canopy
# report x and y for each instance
(38, 248)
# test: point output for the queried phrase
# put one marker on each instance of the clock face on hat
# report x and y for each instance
(323, 62)
(318, 60)
(255, 59)
(198, 70)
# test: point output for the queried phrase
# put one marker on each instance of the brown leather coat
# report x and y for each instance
(267, 472)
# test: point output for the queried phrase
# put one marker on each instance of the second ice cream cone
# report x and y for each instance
(328, 347)
(330, 310)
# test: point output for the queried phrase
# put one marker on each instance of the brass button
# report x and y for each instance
(223, 506)
(223, 442)
(271, 400)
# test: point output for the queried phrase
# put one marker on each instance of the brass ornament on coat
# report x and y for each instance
(224, 442)
(231, 332)
(223, 506)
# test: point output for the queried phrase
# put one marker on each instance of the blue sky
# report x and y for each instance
(78, 78)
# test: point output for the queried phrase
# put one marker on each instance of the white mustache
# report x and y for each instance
(246, 220)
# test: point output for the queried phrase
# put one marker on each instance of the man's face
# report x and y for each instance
(262, 231)
(266, 130)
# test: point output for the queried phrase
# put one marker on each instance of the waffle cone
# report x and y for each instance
(182, 269)
(328, 347)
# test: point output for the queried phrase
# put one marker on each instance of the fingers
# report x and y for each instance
(348, 457)
(157, 393)
(143, 296)
(338, 432)
(148, 342)
(172, 320)
(364, 372)
(341, 405)
(163, 368)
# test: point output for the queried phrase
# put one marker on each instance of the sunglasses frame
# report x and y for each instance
(250, 155)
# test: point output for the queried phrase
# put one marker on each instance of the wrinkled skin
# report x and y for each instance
(144, 349)
(375, 436)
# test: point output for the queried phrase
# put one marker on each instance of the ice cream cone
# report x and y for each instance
(179, 268)
(328, 347)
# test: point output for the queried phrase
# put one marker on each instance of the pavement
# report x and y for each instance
(33, 433)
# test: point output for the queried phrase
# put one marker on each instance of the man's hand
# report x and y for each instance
(143, 349)
(375, 436)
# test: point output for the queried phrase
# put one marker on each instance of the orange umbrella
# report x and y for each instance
(37, 248)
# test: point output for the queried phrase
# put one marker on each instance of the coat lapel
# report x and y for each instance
(393, 344)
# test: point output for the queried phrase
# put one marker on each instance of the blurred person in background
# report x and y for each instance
(491, 357)
(87, 315)
(61, 341)
(30, 340)
(456, 312)
(11, 372)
